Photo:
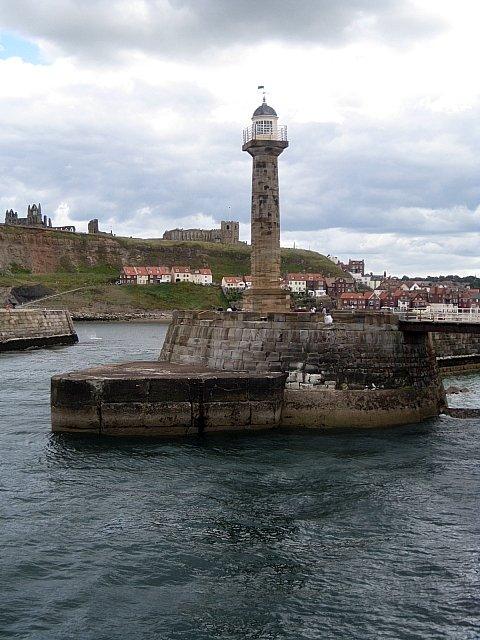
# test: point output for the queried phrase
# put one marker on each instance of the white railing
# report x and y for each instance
(427, 315)
(256, 132)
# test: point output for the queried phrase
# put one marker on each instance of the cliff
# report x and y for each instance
(45, 251)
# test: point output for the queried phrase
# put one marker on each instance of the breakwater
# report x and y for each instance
(154, 399)
(165, 317)
(361, 371)
(27, 328)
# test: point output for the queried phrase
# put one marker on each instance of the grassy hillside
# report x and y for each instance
(101, 298)
(63, 262)
(229, 259)
(60, 280)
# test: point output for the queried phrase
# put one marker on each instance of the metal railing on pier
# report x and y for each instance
(428, 315)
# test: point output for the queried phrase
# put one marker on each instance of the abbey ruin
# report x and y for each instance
(227, 234)
(34, 218)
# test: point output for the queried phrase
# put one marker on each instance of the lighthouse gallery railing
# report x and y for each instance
(254, 132)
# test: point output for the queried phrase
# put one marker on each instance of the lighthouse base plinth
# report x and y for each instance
(266, 301)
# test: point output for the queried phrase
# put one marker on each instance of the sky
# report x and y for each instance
(132, 111)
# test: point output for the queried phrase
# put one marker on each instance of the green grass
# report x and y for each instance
(184, 295)
(60, 280)
(126, 298)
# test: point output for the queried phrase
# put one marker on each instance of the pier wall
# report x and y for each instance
(26, 328)
(158, 399)
(360, 371)
(455, 344)
(457, 353)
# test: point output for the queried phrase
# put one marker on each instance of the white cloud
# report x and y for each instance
(139, 124)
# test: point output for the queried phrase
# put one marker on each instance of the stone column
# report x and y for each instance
(266, 294)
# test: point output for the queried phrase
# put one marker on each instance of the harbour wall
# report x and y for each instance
(27, 328)
(361, 371)
(457, 353)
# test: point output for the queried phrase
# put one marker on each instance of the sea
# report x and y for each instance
(354, 534)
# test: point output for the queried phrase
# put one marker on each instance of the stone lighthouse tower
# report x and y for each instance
(265, 140)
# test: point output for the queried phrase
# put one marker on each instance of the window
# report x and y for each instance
(263, 127)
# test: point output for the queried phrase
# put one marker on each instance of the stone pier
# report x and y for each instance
(31, 328)
(362, 371)
(164, 399)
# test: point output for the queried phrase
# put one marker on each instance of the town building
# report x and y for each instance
(236, 283)
(336, 286)
(469, 299)
(311, 283)
(162, 275)
(180, 274)
(296, 282)
(229, 233)
(370, 280)
(354, 300)
(201, 276)
(356, 267)
(145, 275)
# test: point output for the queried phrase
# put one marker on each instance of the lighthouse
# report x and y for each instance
(265, 140)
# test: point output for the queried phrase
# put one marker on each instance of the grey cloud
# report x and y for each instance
(176, 28)
(106, 162)
(417, 176)
(414, 182)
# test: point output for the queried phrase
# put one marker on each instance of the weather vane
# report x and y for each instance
(261, 86)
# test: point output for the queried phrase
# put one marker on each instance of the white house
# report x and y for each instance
(201, 276)
(236, 283)
(370, 280)
(313, 283)
(296, 282)
(180, 274)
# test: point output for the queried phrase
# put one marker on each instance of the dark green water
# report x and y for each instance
(357, 535)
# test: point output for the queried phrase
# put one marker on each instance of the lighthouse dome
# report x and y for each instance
(264, 110)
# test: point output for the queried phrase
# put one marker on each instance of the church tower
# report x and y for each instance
(265, 140)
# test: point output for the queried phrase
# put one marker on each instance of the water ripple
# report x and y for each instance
(299, 536)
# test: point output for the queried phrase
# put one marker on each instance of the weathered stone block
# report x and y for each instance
(75, 418)
(71, 392)
(125, 390)
(168, 390)
(226, 390)
(222, 415)
(136, 418)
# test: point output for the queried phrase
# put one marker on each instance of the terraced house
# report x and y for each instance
(161, 275)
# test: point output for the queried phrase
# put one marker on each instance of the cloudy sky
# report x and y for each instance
(131, 111)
